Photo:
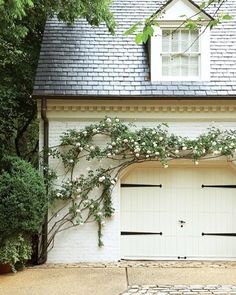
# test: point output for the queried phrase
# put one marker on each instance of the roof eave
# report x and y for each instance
(135, 97)
(192, 2)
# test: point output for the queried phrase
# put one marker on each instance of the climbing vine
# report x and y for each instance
(93, 158)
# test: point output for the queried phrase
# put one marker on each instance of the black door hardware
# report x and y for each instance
(218, 186)
(140, 185)
(220, 234)
(133, 233)
(182, 257)
(182, 223)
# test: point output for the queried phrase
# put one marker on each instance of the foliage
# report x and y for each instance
(21, 29)
(15, 250)
(23, 201)
(87, 197)
(145, 29)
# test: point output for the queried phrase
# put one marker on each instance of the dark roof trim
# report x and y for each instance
(134, 97)
(190, 1)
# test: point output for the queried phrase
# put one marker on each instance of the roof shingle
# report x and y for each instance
(80, 60)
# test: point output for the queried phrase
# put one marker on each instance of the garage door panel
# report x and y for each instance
(140, 221)
(202, 210)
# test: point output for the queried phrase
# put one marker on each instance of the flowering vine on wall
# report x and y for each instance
(86, 197)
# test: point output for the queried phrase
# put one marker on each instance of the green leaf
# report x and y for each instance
(227, 17)
(139, 38)
(132, 29)
(202, 5)
(147, 32)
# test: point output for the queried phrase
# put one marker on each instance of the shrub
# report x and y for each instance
(23, 198)
(15, 251)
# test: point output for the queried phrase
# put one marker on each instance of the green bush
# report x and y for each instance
(23, 198)
(15, 251)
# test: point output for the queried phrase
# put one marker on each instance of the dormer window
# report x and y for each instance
(177, 53)
(180, 55)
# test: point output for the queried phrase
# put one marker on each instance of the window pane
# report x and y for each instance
(175, 37)
(194, 41)
(184, 40)
(166, 41)
(193, 71)
(175, 65)
(184, 70)
(193, 60)
(193, 65)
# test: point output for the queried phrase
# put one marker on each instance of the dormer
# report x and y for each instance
(177, 53)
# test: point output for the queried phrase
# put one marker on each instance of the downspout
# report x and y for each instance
(44, 234)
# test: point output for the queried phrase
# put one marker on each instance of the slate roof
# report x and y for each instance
(82, 61)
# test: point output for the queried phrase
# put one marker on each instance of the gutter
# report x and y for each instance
(44, 238)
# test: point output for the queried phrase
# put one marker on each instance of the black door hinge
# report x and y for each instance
(182, 257)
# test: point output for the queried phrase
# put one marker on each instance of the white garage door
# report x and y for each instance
(180, 219)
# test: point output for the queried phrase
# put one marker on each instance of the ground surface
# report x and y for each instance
(127, 278)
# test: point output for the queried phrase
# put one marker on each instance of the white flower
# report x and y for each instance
(71, 161)
(176, 151)
(81, 149)
(101, 179)
(102, 222)
(88, 168)
(125, 140)
(216, 152)
(92, 148)
(81, 223)
(113, 143)
(85, 133)
(161, 138)
(109, 154)
(99, 213)
(91, 206)
(166, 166)
(214, 143)
(95, 130)
(49, 154)
(110, 147)
(116, 151)
(143, 143)
(149, 152)
(137, 150)
(157, 153)
(78, 211)
(137, 155)
(147, 156)
(184, 148)
(77, 144)
(108, 120)
(154, 144)
(59, 195)
(196, 162)
(153, 132)
(117, 120)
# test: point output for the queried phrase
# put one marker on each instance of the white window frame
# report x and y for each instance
(156, 57)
